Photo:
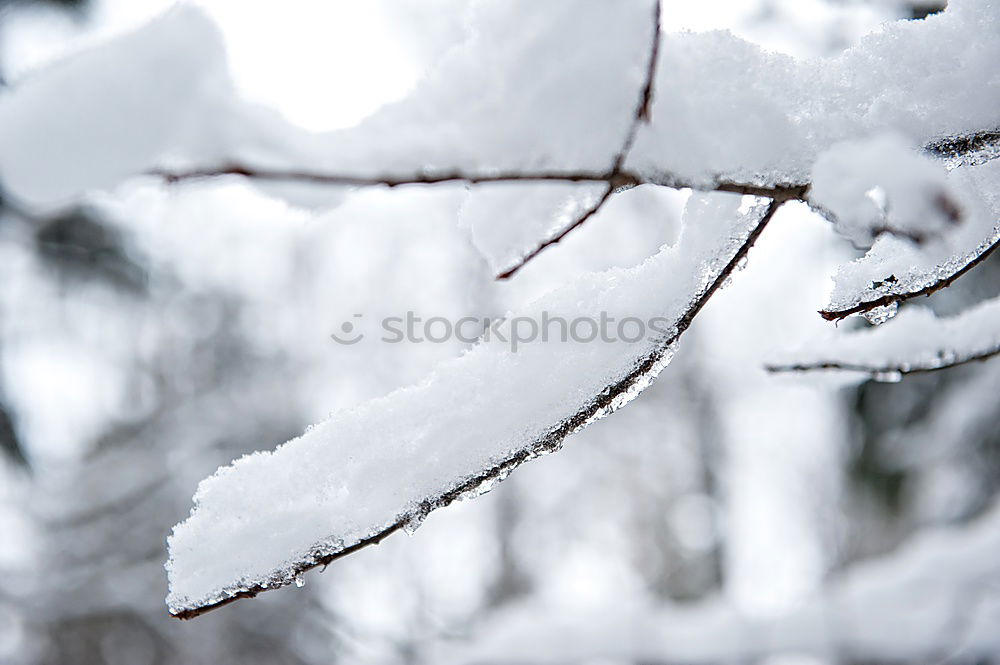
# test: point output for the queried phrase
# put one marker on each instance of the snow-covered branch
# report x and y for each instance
(916, 341)
(891, 371)
(971, 145)
(895, 297)
(619, 179)
(236, 546)
(582, 126)
(895, 270)
(560, 115)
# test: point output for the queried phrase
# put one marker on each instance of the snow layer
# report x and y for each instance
(535, 86)
(113, 111)
(726, 109)
(260, 521)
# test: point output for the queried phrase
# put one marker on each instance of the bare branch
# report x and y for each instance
(388, 180)
(583, 217)
(644, 109)
(943, 360)
(602, 403)
(618, 180)
(951, 147)
(982, 254)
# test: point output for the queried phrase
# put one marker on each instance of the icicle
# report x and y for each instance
(880, 315)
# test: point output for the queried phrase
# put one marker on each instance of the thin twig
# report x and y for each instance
(949, 147)
(618, 180)
(387, 180)
(946, 360)
(644, 108)
(583, 217)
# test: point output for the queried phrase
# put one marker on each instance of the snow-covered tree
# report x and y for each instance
(541, 121)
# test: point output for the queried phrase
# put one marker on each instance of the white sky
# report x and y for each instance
(289, 55)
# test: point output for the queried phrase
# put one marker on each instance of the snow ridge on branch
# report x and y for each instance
(916, 341)
(891, 299)
(186, 603)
